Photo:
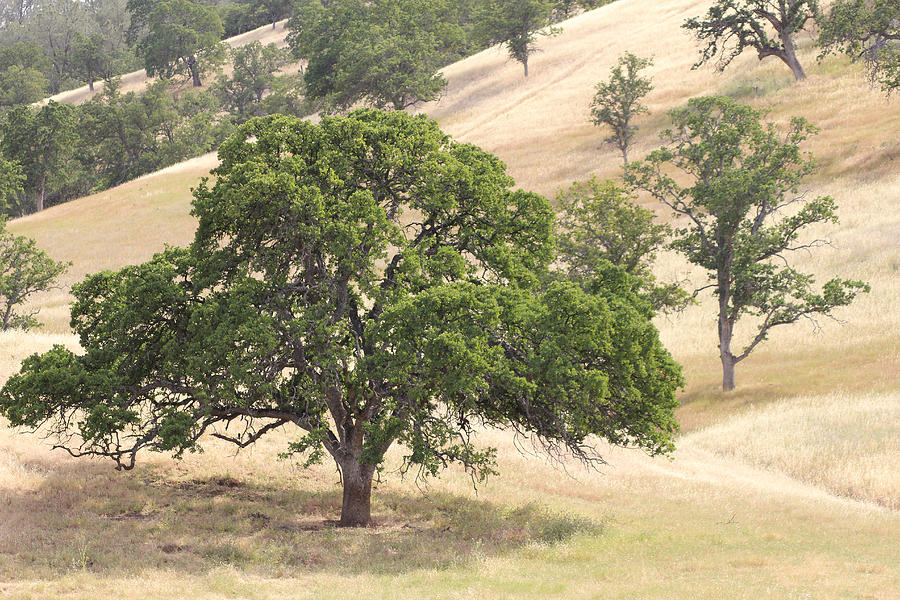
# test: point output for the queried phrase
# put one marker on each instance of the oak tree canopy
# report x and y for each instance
(370, 283)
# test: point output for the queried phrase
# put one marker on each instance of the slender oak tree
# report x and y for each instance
(516, 24)
(617, 101)
(744, 215)
(371, 283)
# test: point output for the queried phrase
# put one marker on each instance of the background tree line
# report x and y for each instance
(386, 53)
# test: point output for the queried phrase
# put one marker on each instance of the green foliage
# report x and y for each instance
(617, 101)
(744, 214)
(515, 24)
(22, 74)
(732, 26)
(42, 141)
(246, 15)
(563, 9)
(24, 271)
(60, 30)
(12, 186)
(271, 10)
(369, 281)
(183, 38)
(94, 57)
(601, 225)
(254, 74)
(128, 135)
(867, 31)
(384, 53)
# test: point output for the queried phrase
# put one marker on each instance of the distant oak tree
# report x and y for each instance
(735, 180)
(599, 224)
(767, 26)
(515, 24)
(254, 74)
(42, 141)
(617, 101)
(370, 283)
(183, 37)
(24, 271)
(383, 53)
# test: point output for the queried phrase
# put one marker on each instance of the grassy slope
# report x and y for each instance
(794, 510)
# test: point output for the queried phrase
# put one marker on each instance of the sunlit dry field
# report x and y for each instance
(788, 487)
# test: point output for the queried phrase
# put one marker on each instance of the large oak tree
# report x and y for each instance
(183, 37)
(370, 283)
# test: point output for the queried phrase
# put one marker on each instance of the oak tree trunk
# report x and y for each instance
(356, 509)
(726, 324)
(726, 330)
(790, 57)
(195, 71)
(40, 200)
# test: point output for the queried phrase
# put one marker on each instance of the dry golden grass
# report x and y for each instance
(219, 526)
(846, 444)
(782, 489)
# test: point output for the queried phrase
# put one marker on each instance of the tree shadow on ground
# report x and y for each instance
(84, 516)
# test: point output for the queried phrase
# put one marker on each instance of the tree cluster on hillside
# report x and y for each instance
(389, 52)
(115, 137)
(62, 44)
(80, 42)
(65, 151)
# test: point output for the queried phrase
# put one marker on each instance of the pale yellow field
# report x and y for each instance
(787, 488)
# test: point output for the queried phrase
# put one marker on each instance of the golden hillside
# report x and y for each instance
(787, 488)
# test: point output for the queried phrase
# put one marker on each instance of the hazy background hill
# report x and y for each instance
(788, 487)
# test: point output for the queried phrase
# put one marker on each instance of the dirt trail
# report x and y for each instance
(696, 465)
